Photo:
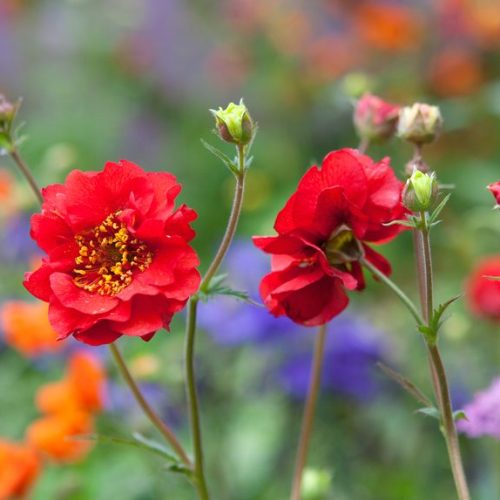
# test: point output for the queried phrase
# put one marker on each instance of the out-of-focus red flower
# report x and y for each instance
(455, 72)
(27, 328)
(483, 292)
(82, 390)
(388, 27)
(56, 436)
(323, 232)
(19, 468)
(495, 191)
(118, 260)
(374, 118)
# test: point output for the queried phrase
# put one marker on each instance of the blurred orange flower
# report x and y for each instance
(19, 467)
(455, 71)
(69, 406)
(27, 327)
(54, 435)
(388, 27)
(483, 17)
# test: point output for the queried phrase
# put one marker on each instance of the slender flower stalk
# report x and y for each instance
(151, 414)
(162, 427)
(191, 391)
(438, 372)
(309, 410)
(364, 144)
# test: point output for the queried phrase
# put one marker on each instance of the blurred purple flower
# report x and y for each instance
(352, 350)
(483, 413)
(16, 245)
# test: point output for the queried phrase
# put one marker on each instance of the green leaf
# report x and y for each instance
(438, 209)
(138, 441)
(459, 415)
(217, 287)
(431, 411)
(230, 164)
(406, 384)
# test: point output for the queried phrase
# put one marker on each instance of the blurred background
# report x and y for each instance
(134, 79)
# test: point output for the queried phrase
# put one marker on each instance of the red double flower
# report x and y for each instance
(322, 234)
(118, 260)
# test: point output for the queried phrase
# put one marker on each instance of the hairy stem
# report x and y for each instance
(309, 410)
(438, 372)
(14, 154)
(146, 408)
(191, 391)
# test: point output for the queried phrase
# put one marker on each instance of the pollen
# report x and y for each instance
(108, 257)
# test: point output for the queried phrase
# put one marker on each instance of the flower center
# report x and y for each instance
(108, 257)
(343, 247)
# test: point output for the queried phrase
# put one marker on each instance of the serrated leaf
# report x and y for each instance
(406, 384)
(459, 415)
(230, 164)
(430, 411)
(217, 287)
(439, 208)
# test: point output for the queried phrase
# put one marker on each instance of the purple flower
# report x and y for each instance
(352, 350)
(16, 245)
(483, 413)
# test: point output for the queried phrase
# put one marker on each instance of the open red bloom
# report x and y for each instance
(322, 235)
(483, 291)
(118, 260)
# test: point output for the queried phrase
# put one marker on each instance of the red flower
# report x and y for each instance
(483, 292)
(322, 233)
(374, 118)
(495, 191)
(118, 260)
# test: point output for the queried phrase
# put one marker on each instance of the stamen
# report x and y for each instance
(108, 257)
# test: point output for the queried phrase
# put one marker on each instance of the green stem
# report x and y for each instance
(438, 372)
(191, 391)
(14, 154)
(149, 412)
(363, 145)
(402, 296)
(309, 410)
(232, 222)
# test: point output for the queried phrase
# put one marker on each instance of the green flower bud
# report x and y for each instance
(420, 123)
(421, 191)
(234, 123)
(315, 484)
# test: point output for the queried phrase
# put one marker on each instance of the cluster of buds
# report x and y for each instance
(420, 124)
(421, 191)
(375, 119)
(234, 124)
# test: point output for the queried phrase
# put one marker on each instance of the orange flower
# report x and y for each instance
(54, 435)
(87, 377)
(455, 72)
(484, 21)
(388, 27)
(19, 467)
(58, 398)
(27, 327)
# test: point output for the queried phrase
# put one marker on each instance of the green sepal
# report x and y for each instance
(438, 210)
(230, 164)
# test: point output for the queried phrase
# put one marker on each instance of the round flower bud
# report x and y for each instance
(420, 123)
(494, 189)
(420, 191)
(234, 123)
(7, 113)
(374, 119)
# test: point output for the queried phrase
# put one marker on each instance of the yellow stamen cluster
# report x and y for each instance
(108, 257)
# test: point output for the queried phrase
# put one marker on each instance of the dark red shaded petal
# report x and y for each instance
(49, 231)
(165, 190)
(146, 316)
(99, 334)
